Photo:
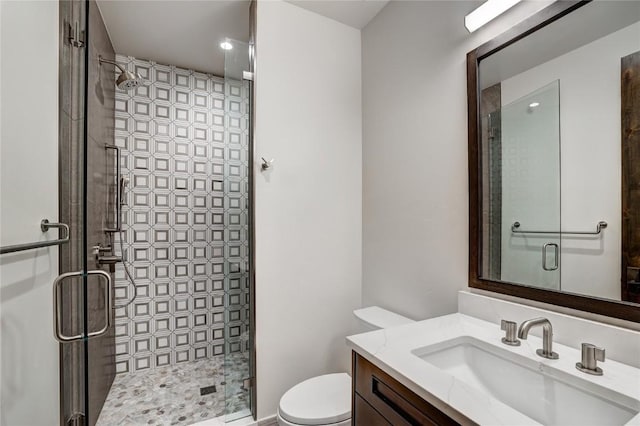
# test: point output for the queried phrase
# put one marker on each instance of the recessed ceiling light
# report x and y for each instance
(534, 104)
(225, 45)
(486, 12)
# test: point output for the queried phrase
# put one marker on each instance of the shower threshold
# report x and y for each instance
(241, 418)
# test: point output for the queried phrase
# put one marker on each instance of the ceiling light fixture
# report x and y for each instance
(225, 45)
(534, 104)
(486, 12)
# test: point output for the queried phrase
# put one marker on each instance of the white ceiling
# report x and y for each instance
(187, 33)
(184, 33)
(355, 13)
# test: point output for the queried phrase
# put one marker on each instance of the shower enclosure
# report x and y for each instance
(155, 309)
(521, 193)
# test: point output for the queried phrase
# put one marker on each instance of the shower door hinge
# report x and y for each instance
(77, 419)
(246, 75)
(76, 36)
(247, 383)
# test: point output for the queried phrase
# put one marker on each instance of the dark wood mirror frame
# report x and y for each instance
(610, 308)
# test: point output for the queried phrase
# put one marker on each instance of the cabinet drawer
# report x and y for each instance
(394, 401)
(365, 415)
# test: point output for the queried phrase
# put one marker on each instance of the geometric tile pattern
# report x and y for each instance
(184, 147)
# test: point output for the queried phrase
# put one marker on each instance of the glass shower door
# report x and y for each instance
(530, 137)
(237, 232)
(36, 370)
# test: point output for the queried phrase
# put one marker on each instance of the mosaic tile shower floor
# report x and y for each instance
(171, 395)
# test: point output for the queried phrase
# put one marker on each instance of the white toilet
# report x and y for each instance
(326, 399)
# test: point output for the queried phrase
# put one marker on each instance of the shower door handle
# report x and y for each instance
(556, 257)
(118, 218)
(57, 313)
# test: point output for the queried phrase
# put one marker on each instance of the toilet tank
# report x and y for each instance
(376, 318)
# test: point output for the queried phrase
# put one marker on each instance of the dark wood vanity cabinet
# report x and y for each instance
(379, 399)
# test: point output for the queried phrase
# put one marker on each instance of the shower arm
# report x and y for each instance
(101, 60)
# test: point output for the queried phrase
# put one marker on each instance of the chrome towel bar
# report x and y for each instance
(44, 225)
(515, 228)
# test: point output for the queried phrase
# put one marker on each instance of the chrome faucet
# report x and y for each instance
(547, 336)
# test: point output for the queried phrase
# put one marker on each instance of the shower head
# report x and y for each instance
(127, 80)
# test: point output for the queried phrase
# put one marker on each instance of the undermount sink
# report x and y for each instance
(543, 393)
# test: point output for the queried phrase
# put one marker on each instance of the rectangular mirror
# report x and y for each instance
(554, 146)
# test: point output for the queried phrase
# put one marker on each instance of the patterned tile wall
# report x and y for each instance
(184, 147)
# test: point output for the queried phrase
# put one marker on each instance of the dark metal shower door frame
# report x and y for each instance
(71, 184)
(84, 315)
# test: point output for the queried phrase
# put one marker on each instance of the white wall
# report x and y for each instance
(415, 202)
(28, 193)
(590, 140)
(309, 206)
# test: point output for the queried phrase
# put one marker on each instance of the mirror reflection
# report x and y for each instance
(559, 165)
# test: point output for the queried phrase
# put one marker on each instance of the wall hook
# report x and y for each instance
(266, 165)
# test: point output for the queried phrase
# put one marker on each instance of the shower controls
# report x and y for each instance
(109, 260)
(511, 329)
(105, 256)
(101, 249)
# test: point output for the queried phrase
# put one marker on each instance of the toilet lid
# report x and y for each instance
(317, 401)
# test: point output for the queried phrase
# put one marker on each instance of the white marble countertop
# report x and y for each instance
(391, 350)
